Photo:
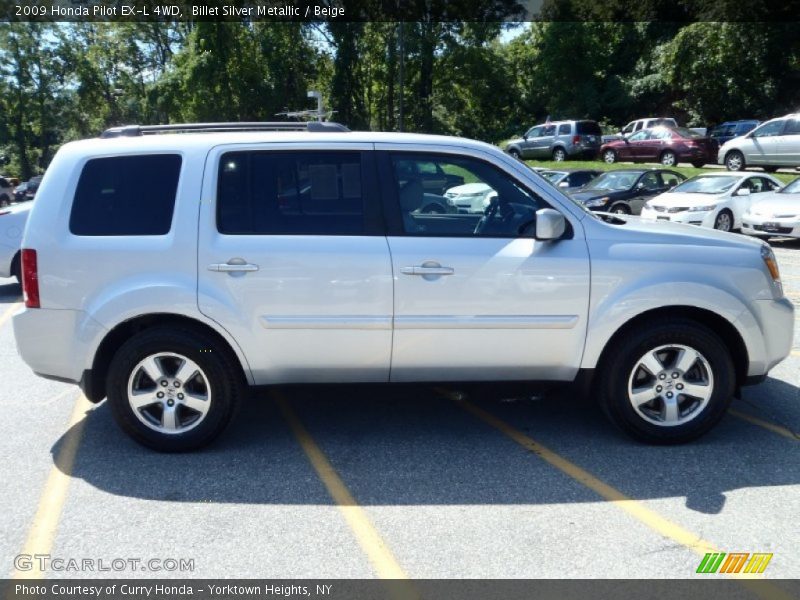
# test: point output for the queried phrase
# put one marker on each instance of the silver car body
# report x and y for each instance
(775, 143)
(12, 224)
(542, 141)
(343, 309)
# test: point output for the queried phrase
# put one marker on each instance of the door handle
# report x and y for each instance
(427, 270)
(233, 266)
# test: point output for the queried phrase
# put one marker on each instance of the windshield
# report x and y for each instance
(707, 184)
(553, 176)
(687, 133)
(792, 188)
(614, 180)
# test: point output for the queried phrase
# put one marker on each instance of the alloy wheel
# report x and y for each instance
(169, 393)
(723, 222)
(670, 385)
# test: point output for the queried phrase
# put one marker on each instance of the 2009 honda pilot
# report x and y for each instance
(265, 257)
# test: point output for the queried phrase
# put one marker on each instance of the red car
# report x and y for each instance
(667, 145)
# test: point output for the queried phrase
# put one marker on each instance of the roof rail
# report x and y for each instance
(138, 130)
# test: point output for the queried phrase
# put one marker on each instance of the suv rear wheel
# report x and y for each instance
(173, 389)
(667, 383)
(559, 154)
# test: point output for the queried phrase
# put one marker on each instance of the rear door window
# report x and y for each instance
(126, 196)
(291, 193)
(564, 129)
(792, 127)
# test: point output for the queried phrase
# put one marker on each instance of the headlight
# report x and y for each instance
(768, 256)
(598, 201)
(702, 208)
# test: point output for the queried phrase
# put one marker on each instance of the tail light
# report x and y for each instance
(30, 278)
(576, 139)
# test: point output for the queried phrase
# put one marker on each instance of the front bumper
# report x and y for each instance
(775, 322)
(770, 226)
(701, 218)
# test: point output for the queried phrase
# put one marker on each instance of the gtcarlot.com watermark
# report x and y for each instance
(59, 564)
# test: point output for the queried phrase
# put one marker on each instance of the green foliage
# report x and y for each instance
(68, 81)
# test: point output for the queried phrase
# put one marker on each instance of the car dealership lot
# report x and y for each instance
(426, 482)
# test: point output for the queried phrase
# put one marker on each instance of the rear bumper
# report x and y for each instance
(754, 225)
(56, 343)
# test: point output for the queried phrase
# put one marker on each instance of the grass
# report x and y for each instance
(601, 166)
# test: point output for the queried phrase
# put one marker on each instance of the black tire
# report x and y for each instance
(770, 169)
(514, 153)
(724, 221)
(222, 371)
(698, 164)
(4, 201)
(734, 161)
(668, 158)
(618, 366)
(559, 154)
(609, 157)
(16, 268)
(621, 209)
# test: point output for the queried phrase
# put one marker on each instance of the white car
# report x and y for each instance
(12, 224)
(270, 257)
(716, 200)
(777, 214)
(471, 198)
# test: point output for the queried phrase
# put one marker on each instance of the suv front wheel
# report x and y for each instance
(667, 383)
(173, 390)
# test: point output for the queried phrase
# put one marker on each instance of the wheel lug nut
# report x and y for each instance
(662, 376)
(164, 383)
(177, 384)
(679, 386)
(669, 394)
(658, 388)
(180, 396)
(170, 402)
(675, 375)
(160, 395)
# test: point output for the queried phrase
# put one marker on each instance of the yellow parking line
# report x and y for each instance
(382, 559)
(787, 433)
(633, 507)
(8, 312)
(51, 503)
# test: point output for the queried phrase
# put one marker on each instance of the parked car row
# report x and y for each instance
(735, 144)
(11, 190)
(756, 204)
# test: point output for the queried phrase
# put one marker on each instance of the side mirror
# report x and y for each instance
(743, 192)
(640, 185)
(550, 224)
(525, 136)
(563, 184)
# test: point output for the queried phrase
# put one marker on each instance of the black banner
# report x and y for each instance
(678, 11)
(711, 588)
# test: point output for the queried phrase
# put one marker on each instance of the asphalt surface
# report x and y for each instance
(424, 482)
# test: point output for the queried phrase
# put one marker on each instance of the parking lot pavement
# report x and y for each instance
(417, 481)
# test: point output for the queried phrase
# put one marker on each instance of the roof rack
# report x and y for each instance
(139, 130)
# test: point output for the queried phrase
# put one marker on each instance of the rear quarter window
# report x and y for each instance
(588, 128)
(126, 196)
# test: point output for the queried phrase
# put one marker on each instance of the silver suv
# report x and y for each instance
(267, 257)
(771, 145)
(558, 140)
